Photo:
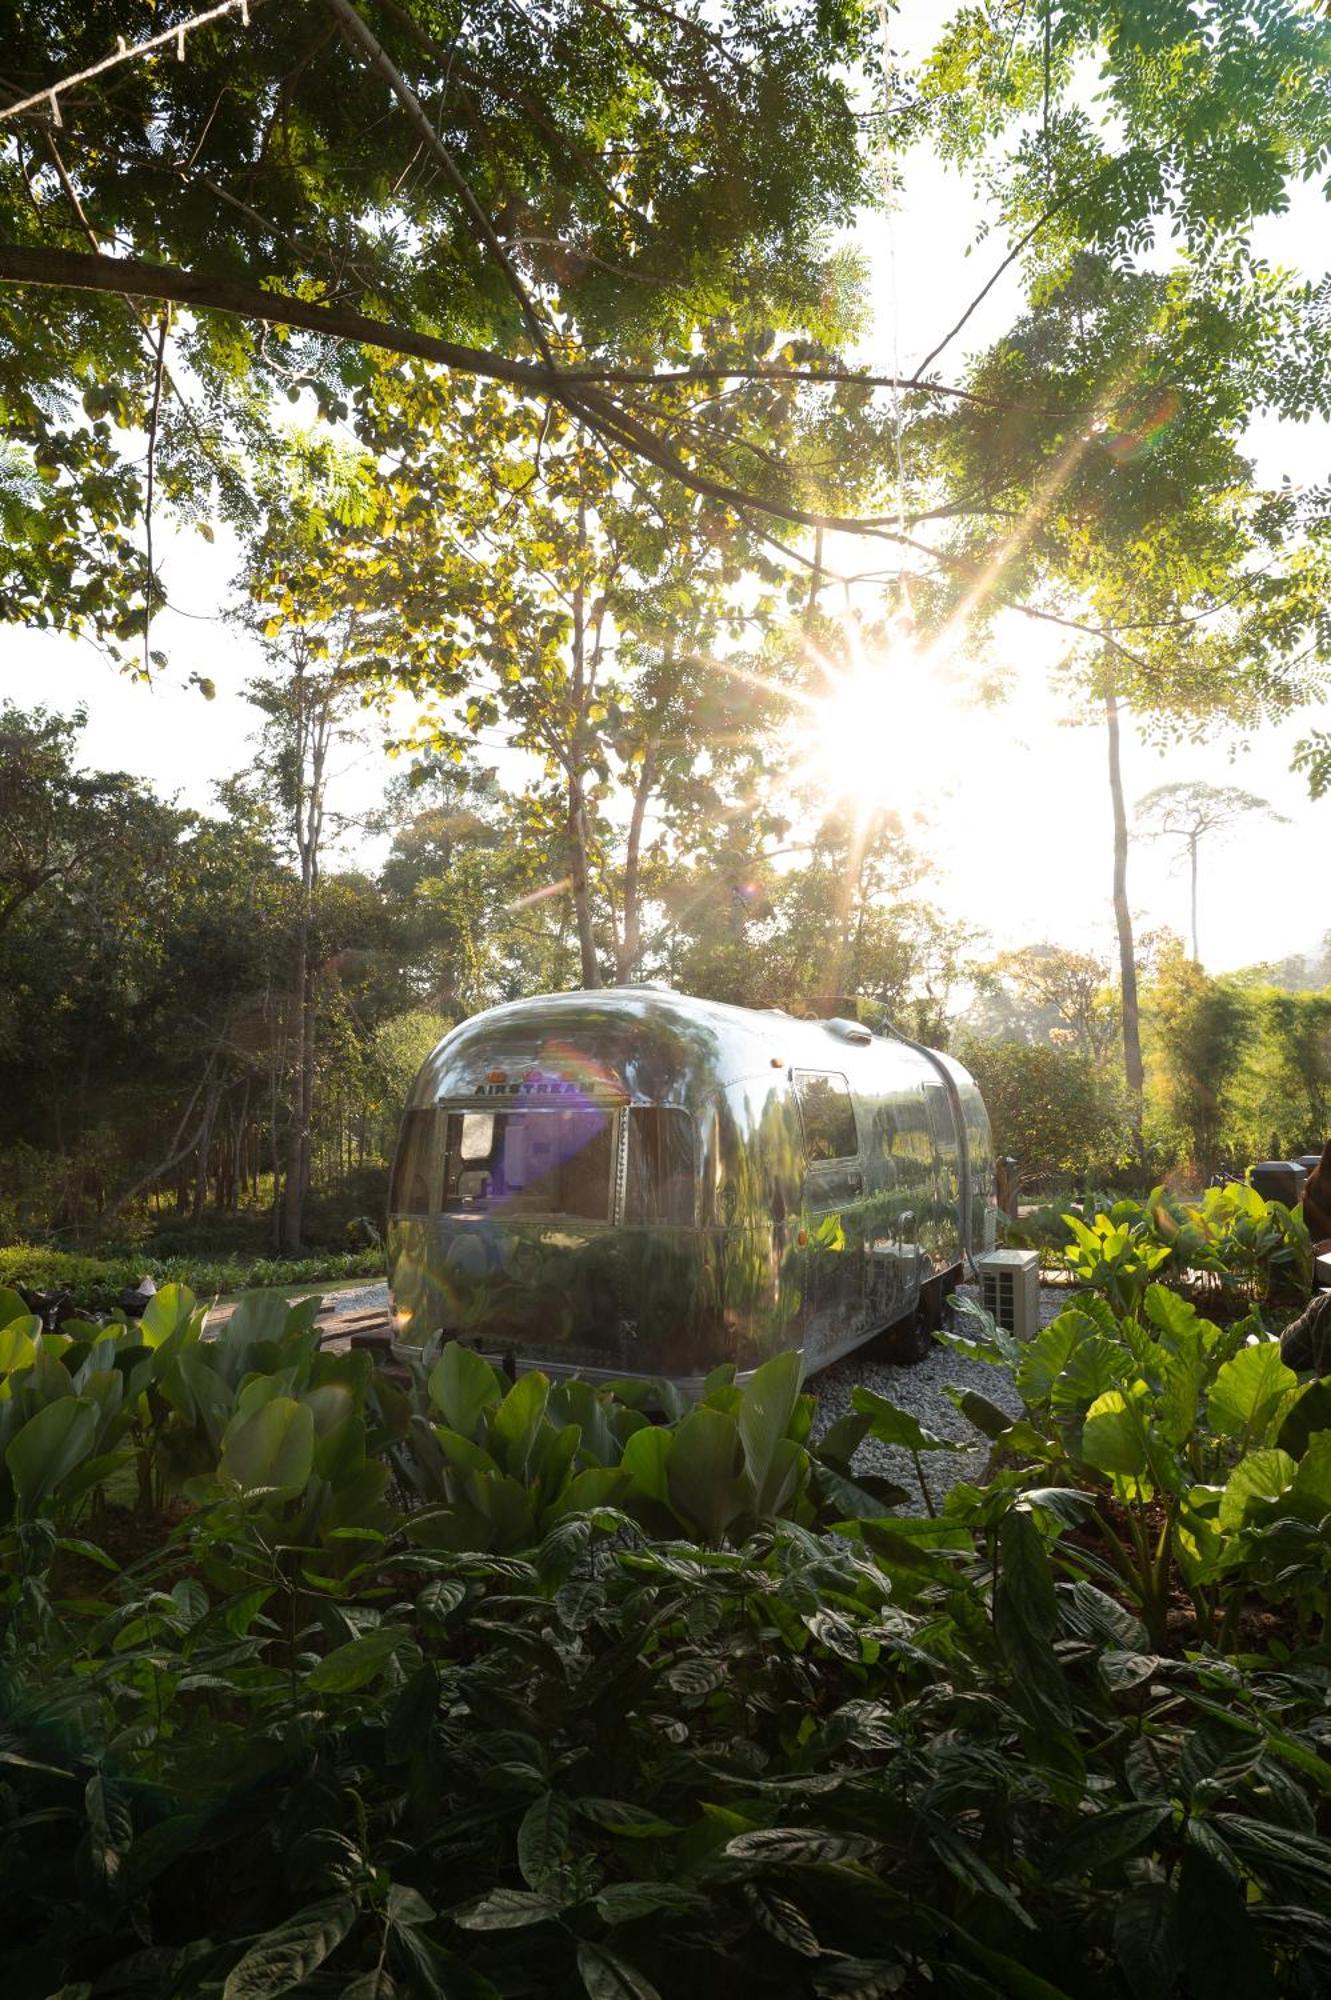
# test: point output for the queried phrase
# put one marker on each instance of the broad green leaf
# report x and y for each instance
(1259, 1476)
(50, 1446)
(165, 1311)
(464, 1386)
(798, 1846)
(622, 1816)
(12, 1307)
(1248, 1392)
(285, 1957)
(543, 1841)
(1094, 1365)
(1312, 1482)
(892, 1425)
(505, 1910)
(18, 1346)
(765, 1412)
(360, 1661)
(1026, 1618)
(1103, 1837)
(515, 1425)
(608, 1976)
(704, 1472)
(1310, 1411)
(273, 1448)
(646, 1456)
(1044, 1358)
(987, 1417)
(1113, 1437)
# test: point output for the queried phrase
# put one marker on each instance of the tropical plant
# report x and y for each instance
(1162, 1438)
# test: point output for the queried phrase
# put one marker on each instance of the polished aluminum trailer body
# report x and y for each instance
(634, 1182)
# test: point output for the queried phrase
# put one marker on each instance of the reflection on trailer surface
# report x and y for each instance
(634, 1182)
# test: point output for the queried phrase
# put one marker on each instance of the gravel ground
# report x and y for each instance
(921, 1389)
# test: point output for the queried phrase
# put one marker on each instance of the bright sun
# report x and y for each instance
(874, 731)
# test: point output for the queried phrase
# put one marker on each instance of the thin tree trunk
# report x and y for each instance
(581, 894)
(1127, 957)
(298, 1139)
(577, 804)
(1192, 869)
(201, 1157)
(630, 945)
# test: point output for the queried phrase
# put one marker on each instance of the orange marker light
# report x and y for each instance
(496, 1076)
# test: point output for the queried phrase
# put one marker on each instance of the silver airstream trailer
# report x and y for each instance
(631, 1182)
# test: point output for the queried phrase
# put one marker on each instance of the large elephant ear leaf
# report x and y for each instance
(1114, 1437)
(49, 1447)
(1261, 1476)
(273, 1448)
(1251, 1393)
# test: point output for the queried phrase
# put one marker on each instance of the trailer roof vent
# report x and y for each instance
(848, 1031)
(1010, 1289)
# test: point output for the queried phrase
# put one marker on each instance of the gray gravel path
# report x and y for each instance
(922, 1389)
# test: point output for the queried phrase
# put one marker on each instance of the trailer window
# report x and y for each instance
(528, 1163)
(827, 1114)
(662, 1171)
(413, 1167)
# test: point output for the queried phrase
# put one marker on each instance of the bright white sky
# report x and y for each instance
(1011, 804)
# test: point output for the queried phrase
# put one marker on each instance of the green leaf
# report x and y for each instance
(18, 1344)
(358, 1662)
(165, 1311)
(516, 1424)
(1310, 1412)
(12, 1307)
(620, 1816)
(1258, 1476)
(543, 1841)
(704, 1472)
(505, 1910)
(988, 1419)
(1312, 1482)
(1248, 1392)
(285, 1957)
(48, 1448)
(798, 1846)
(1113, 1437)
(464, 1386)
(1101, 1838)
(891, 1425)
(646, 1457)
(765, 1411)
(1146, 1942)
(607, 1976)
(273, 1448)
(1026, 1618)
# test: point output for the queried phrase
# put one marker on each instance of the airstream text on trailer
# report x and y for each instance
(634, 1182)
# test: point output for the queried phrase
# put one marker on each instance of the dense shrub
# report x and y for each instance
(90, 1279)
(428, 1693)
(1051, 1109)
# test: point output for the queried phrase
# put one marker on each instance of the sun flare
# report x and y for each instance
(874, 730)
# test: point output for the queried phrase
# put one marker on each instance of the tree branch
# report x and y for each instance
(356, 31)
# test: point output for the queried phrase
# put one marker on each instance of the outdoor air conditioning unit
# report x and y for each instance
(1010, 1289)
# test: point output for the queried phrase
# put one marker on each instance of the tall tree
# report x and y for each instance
(306, 704)
(1191, 812)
